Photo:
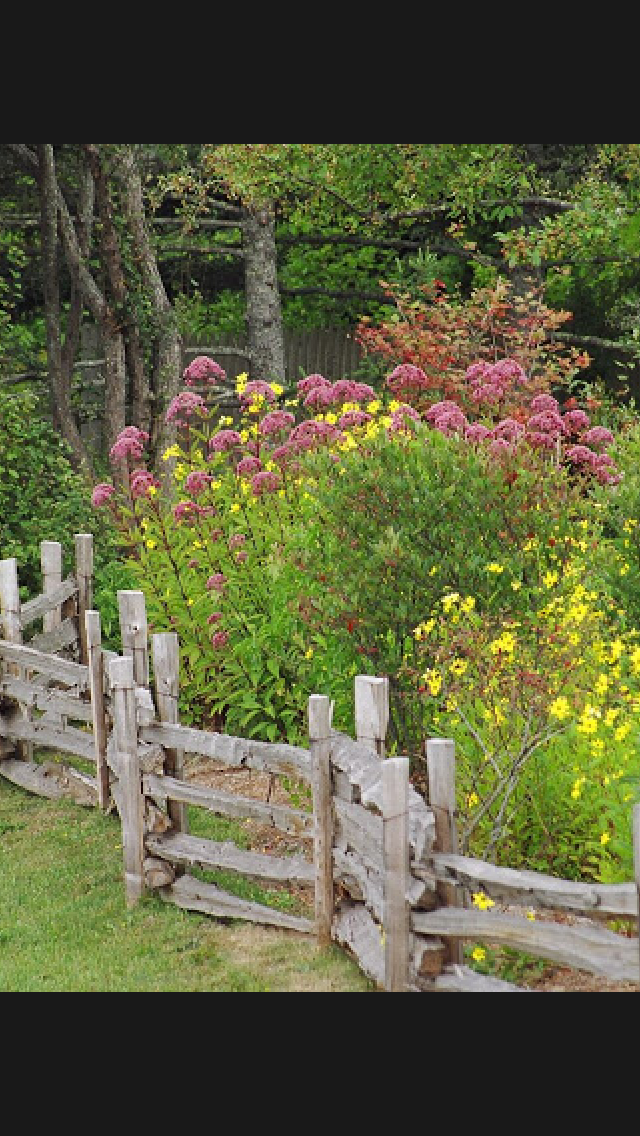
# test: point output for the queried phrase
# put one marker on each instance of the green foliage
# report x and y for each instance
(41, 497)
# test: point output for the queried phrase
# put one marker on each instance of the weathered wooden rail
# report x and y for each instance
(380, 863)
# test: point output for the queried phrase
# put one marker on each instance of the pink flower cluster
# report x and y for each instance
(407, 377)
(265, 483)
(491, 382)
(141, 482)
(129, 443)
(102, 494)
(225, 441)
(184, 406)
(276, 422)
(545, 427)
(204, 370)
(319, 393)
(255, 390)
(197, 483)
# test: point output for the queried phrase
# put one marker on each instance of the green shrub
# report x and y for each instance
(41, 497)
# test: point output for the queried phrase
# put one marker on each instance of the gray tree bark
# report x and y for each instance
(168, 369)
(263, 308)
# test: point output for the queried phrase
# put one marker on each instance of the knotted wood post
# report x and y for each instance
(11, 630)
(127, 765)
(133, 632)
(441, 772)
(397, 867)
(84, 578)
(51, 567)
(95, 662)
(372, 712)
(165, 651)
(320, 714)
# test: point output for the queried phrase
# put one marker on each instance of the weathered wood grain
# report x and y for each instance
(580, 946)
(210, 855)
(72, 674)
(282, 817)
(48, 603)
(50, 780)
(193, 895)
(131, 800)
(372, 712)
(395, 777)
(356, 930)
(48, 699)
(462, 980)
(320, 712)
(42, 733)
(134, 633)
(291, 761)
(533, 889)
(84, 576)
(95, 664)
(51, 566)
(48, 642)
(165, 652)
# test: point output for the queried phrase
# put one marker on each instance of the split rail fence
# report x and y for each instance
(380, 862)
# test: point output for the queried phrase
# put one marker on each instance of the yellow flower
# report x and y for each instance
(458, 667)
(472, 800)
(309, 653)
(531, 916)
(516, 585)
(241, 382)
(549, 579)
(172, 452)
(479, 955)
(468, 604)
(449, 601)
(235, 508)
(597, 747)
(622, 731)
(602, 685)
(605, 838)
(497, 569)
(560, 709)
(434, 681)
(152, 544)
(482, 901)
(374, 407)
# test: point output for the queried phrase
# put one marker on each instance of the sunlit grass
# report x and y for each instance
(64, 925)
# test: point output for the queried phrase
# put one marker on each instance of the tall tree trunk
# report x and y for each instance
(263, 307)
(168, 370)
(112, 260)
(105, 317)
(59, 377)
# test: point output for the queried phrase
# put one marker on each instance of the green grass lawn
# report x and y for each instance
(64, 925)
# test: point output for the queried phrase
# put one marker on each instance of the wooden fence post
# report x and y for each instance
(95, 662)
(441, 771)
(51, 566)
(11, 629)
(165, 651)
(372, 712)
(395, 812)
(131, 800)
(320, 713)
(133, 631)
(84, 577)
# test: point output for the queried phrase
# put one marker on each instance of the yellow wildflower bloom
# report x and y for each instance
(497, 569)
(172, 452)
(482, 901)
(605, 838)
(560, 709)
(478, 954)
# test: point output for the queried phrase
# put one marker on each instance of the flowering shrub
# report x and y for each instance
(213, 563)
(544, 710)
(432, 343)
